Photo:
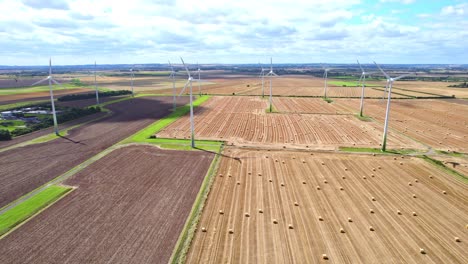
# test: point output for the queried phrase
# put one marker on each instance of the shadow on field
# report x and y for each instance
(71, 140)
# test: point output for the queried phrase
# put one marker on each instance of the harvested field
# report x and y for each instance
(242, 120)
(439, 88)
(437, 123)
(459, 164)
(307, 105)
(26, 168)
(37, 96)
(270, 216)
(129, 207)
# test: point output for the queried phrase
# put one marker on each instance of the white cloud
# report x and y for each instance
(457, 10)
(406, 2)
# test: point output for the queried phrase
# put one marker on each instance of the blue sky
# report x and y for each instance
(241, 31)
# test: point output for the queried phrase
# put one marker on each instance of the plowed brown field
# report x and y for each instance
(129, 207)
(440, 124)
(242, 120)
(271, 210)
(37, 96)
(26, 168)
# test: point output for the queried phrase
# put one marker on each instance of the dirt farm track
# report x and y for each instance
(24, 169)
(293, 207)
(129, 207)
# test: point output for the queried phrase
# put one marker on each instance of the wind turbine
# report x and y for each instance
(362, 80)
(390, 82)
(262, 74)
(95, 85)
(51, 79)
(271, 74)
(189, 82)
(199, 86)
(172, 76)
(132, 76)
(325, 76)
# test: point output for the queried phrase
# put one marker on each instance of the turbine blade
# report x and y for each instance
(185, 87)
(360, 79)
(384, 73)
(41, 81)
(362, 70)
(401, 76)
(271, 64)
(274, 74)
(57, 83)
(186, 69)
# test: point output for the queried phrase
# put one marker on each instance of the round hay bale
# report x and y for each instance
(231, 231)
(220, 175)
(350, 220)
(259, 174)
(373, 199)
(414, 195)
(422, 251)
(203, 229)
(323, 163)
(296, 204)
(415, 180)
(414, 214)
(343, 177)
(342, 231)
(364, 177)
(282, 184)
(290, 226)
(238, 183)
(410, 184)
(303, 182)
(371, 211)
(373, 169)
(318, 187)
(320, 218)
(260, 211)
(371, 228)
(398, 212)
(247, 215)
(221, 212)
(275, 221)
(430, 177)
(229, 175)
(341, 188)
(324, 256)
(401, 163)
(325, 181)
(444, 192)
(457, 239)
(346, 169)
(270, 180)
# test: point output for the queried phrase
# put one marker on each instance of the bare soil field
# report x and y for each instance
(294, 207)
(26, 168)
(440, 124)
(36, 96)
(242, 120)
(129, 207)
(433, 87)
(308, 105)
(89, 102)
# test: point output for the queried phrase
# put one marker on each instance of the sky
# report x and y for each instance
(75, 32)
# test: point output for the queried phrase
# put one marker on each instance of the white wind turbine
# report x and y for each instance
(172, 77)
(325, 77)
(189, 82)
(132, 76)
(51, 79)
(95, 84)
(362, 80)
(262, 74)
(199, 85)
(390, 82)
(271, 74)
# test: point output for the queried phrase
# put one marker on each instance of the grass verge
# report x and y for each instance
(364, 118)
(21, 104)
(442, 166)
(185, 239)
(32, 205)
(453, 153)
(184, 144)
(327, 99)
(377, 150)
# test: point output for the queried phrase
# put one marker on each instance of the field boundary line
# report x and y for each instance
(184, 241)
(441, 166)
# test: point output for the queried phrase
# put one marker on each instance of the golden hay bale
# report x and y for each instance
(341, 188)
(379, 167)
(260, 211)
(238, 183)
(364, 177)
(220, 175)
(231, 231)
(318, 187)
(444, 192)
(398, 212)
(221, 212)
(350, 220)
(323, 163)
(203, 229)
(325, 181)
(371, 228)
(303, 182)
(343, 177)
(320, 218)
(259, 174)
(422, 251)
(414, 214)
(414, 195)
(342, 230)
(229, 175)
(324, 256)
(373, 169)
(275, 221)
(247, 215)
(346, 169)
(290, 226)
(270, 180)
(373, 199)
(457, 239)
(282, 184)
(415, 180)
(401, 163)
(410, 184)
(296, 204)
(430, 177)
(371, 211)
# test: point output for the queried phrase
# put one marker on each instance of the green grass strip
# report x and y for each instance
(157, 126)
(377, 150)
(185, 144)
(182, 247)
(327, 99)
(364, 118)
(21, 104)
(32, 205)
(350, 84)
(453, 154)
(442, 166)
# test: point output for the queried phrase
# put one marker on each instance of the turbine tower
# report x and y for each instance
(390, 82)
(132, 76)
(262, 74)
(172, 77)
(325, 77)
(51, 79)
(271, 74)
(95, 85)
(189, 82)
(362, 80)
